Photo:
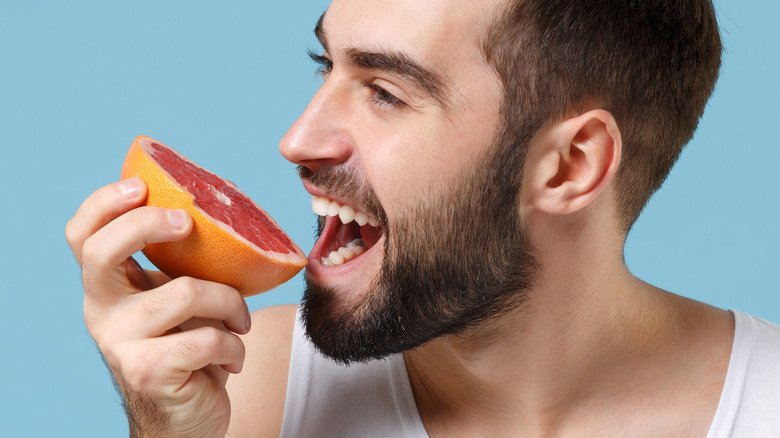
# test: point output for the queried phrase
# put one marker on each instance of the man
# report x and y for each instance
(497, 154)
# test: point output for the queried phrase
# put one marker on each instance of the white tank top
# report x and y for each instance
(327, 399)
(750, 403)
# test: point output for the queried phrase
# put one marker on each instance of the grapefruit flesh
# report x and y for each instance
(233, 240)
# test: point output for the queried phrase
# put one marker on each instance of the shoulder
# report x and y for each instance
(257, 394)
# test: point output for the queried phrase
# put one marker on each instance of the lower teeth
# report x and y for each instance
(344, 254)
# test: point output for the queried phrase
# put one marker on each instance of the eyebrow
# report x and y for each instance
(398, 63)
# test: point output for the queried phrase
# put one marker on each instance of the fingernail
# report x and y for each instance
(130, 188)
(177, 218)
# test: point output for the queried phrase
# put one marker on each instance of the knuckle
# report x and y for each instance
(141, 367)
(229, 298)
(187, 348)
(107, 337)
(72, 236)
(152, 219)
(142, 218)
(239, 346)
(136, 221)
(214, 341)
(155, 301)
(141, 222)
(91, 253)
(91, 318)
(137, 373)
(187, 291)
(181, 292)
(234, 298)
(111, 342)
(88, 251)
(112, 356)
(199, 343)
(211, 339)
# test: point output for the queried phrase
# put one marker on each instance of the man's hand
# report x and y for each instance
(169, 343)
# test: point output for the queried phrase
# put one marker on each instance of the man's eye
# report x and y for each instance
(383, 97)
(325, 65)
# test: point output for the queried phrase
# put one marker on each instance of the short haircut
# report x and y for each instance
(651, 63)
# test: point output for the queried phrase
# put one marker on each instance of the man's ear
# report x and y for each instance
(577, 158)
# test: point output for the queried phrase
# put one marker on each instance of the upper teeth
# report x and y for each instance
(325, 207)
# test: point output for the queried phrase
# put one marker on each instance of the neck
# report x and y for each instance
(580, 342)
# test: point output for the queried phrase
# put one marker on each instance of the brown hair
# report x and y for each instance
(652, 63)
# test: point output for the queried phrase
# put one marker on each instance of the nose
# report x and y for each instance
(320, 137)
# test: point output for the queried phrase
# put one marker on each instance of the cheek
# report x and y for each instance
(394, 172)
(404, 168)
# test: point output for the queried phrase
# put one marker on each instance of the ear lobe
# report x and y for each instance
(581, 156)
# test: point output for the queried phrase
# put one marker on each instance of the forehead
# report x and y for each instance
(441, 33)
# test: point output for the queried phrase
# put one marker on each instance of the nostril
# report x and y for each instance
(308, 167)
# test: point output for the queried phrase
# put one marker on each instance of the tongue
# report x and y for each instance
(338, 235)
(344, 234)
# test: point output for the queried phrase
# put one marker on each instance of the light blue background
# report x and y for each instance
(221, 83)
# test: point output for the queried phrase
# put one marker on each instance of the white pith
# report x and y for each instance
(223, 198)
(327, 207)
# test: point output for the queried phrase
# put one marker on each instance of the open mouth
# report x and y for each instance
(348, 232)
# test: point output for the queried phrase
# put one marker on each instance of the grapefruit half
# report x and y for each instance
(233, 240)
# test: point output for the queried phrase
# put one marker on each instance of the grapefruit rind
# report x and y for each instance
(213, 251)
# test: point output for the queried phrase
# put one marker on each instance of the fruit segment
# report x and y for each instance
(233, 240)
(223, 201)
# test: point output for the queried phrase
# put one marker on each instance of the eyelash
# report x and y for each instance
(380, 96)
(324, 65)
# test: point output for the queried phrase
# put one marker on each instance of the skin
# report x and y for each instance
(594, 352)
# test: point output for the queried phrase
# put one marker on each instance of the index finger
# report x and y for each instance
(101, 207)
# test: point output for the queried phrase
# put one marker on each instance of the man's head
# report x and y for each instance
(424, 122)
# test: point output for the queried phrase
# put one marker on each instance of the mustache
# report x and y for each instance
(343, 183)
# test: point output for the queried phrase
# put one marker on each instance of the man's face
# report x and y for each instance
(403, 130)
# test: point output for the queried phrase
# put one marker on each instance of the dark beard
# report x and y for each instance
(450, 264)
